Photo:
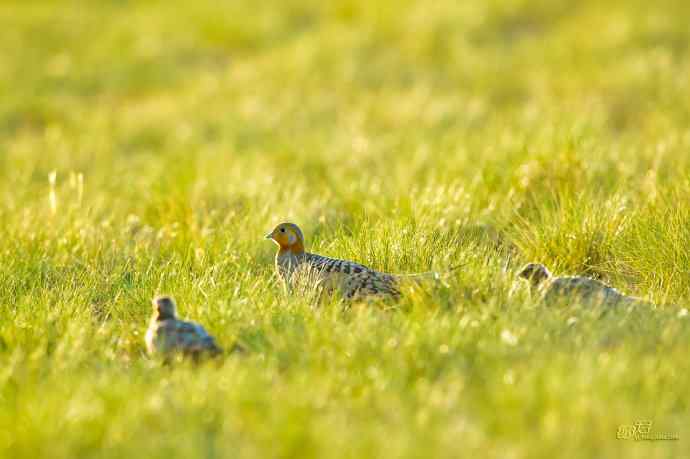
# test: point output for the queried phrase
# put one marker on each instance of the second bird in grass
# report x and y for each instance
(352, 280)
(167, 335)
(554, 289)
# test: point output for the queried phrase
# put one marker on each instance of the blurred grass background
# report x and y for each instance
(405, 135)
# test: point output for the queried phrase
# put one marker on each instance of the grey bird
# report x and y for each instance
(167, 335)
(554, 289)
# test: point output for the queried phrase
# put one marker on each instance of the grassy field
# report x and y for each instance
(147, 147)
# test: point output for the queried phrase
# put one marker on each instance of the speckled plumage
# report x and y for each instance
(574, 288)
(352, 280)
(169, 335)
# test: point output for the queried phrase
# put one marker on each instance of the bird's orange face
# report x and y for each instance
(288, 236)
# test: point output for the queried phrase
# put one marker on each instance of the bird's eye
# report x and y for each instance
(282, 230)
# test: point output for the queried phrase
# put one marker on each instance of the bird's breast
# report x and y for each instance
(286, 263)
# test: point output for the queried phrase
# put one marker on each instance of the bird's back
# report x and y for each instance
(329, 265)
(351, 279)
(582, 289)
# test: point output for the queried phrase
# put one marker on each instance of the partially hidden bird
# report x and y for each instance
(554, 289)
(167, 335)
(352, 280)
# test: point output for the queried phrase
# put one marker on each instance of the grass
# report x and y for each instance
(404, 135)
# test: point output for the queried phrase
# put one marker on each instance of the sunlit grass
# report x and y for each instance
(147, 148)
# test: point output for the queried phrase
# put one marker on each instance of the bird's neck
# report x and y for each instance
(158, 317)
(287, 261)
(540, 282)
(295, 249)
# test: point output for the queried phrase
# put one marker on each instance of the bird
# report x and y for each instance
(295, 266)
(582, 289)
(167, 335)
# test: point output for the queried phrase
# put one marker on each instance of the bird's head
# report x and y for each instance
(535, 273)
(288, 236)
(164, 308)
